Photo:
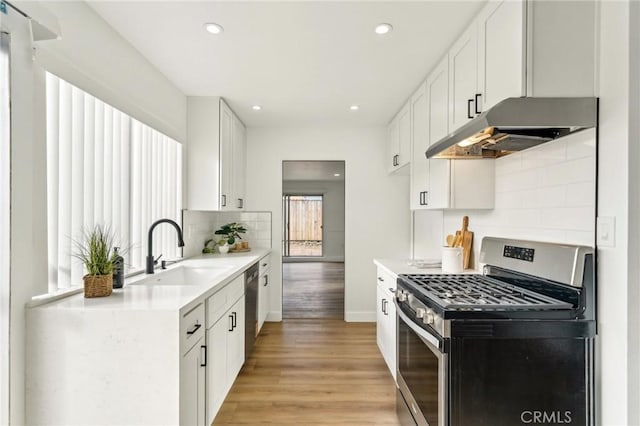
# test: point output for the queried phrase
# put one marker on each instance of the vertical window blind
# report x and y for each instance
(104, 167)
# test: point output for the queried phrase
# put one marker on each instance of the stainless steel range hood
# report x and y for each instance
(516, 124)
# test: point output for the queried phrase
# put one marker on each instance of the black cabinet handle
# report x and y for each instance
(392, 290)
(231, 324)
(477, 102)
(224, 200)
(469, 102)
(384, 306)
(234, 319)
(264, 264)
(195, 328)
(381, 279)
(240, 203)
(205, 355)
(266, 281)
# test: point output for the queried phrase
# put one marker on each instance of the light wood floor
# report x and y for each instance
(313, 290)
(312, 372)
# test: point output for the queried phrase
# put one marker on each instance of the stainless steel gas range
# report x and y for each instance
(511, 346)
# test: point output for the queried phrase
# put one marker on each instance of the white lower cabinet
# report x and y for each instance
(225, 343)
(263, 291)
(192, 385)
(386, 319)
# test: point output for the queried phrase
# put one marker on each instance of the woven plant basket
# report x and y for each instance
(98, 285)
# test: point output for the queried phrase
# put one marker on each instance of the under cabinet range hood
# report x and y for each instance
(516, 124)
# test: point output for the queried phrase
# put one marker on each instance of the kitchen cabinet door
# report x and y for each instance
(399, 140)
(263, 299)
(226, 156)
(238, 164)
(235, 341)
(419, 144)
(386, 319)
(192, 385)
(217, 382)
(438, 126)
(463, 70)
(404, 135)
(501, 52)
(393, 145)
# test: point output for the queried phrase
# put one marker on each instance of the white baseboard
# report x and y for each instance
(360, 316)
(275, 316)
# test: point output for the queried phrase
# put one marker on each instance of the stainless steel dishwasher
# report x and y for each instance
(251, 308)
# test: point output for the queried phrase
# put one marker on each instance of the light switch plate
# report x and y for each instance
(606, 231)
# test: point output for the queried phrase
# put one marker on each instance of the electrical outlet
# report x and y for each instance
(606, 231)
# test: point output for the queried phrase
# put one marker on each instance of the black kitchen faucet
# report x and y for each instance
(150, 260)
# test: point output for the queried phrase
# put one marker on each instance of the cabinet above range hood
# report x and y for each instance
(516, 124)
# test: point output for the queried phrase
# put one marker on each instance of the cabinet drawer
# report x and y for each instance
(191, 327)
(265, 264)
(221, 301)
(386, 281)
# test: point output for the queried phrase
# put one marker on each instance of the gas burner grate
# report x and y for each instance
(478, 292)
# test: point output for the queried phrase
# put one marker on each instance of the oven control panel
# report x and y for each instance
(520, 253)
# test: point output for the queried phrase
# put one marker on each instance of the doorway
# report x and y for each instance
(302, 224)
(313, 239)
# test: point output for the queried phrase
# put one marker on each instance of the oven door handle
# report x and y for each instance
(434, 341)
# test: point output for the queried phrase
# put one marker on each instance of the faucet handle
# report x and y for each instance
(155, 261)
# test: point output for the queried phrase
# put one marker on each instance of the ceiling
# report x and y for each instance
(304, 62)
(313, 170)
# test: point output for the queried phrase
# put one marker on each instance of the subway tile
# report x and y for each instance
(552, 196)
(508, 164)
(582, 194)
(568, 218)
(581, 144)
(579, 170)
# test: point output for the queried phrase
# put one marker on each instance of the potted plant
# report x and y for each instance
(230, 234)
(95, 251)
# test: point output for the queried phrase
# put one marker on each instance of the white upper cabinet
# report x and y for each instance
(463, 71)
(399, 140)
(501, 53)
(419, 143)
(216, 151)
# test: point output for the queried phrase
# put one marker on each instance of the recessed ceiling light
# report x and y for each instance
(336, 174)
(383, 28)
(256, 107)
(213, 28)
(354, 107)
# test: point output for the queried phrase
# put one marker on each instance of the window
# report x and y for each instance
(104, 167)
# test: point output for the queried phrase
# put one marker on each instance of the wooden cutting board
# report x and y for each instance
(467, 243)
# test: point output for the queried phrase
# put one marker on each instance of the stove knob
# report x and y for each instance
(401, 296)
(429, 318)
(420, 312)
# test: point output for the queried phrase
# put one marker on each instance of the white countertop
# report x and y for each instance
(137, 296)
(401, 266)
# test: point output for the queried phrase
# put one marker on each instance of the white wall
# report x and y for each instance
(376, 205)
(617, 197)
(332, 215)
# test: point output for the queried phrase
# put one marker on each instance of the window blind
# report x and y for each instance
(104, 167)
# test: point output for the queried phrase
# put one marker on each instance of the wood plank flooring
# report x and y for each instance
(313, 372)
(313, 290)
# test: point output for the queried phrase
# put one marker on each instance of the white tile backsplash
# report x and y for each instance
(199, 226)
(546, 193)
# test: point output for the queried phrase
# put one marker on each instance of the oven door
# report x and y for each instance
(422, 372)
